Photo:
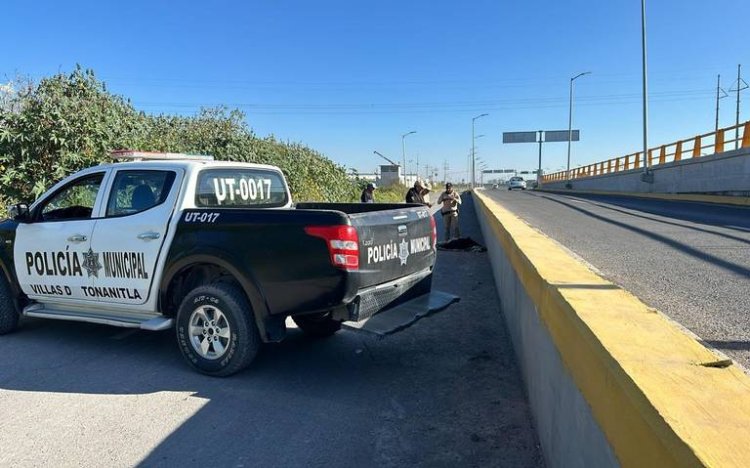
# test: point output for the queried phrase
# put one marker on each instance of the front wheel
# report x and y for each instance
(216, 330)
(320, 325)
(8, 310)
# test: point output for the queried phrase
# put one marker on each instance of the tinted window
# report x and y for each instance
(136, 191)
(74, 201)
(240, 188)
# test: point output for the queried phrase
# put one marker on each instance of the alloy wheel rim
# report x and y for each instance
(209, 332)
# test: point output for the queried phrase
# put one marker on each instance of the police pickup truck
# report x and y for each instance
(214, 249)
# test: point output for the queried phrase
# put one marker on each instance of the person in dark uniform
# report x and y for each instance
(368, 194)
(414, 195)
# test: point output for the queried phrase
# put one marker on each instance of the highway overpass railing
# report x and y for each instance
(719, 141)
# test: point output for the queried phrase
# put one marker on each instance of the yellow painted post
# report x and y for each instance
(650, 157)
(617, 165)
(678, 151)
(637, 161)
(609, 166)
(697, 147)
(746, 136)
(663, 154)
(719, 141)
(627, 162)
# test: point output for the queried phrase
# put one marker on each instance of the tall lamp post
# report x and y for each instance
(473, 155)
(403, 151)
(646, 161)
(570, 118)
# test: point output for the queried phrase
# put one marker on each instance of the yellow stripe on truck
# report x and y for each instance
(643, 377)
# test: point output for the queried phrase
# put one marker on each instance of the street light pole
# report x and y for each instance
(570, 118)
(646, 159)
(403, 151)
(473, 155)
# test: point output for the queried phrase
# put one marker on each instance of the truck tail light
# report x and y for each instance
(434, 232)
(342, 242)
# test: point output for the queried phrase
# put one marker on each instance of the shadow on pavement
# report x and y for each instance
(605, 205)
(719, 262)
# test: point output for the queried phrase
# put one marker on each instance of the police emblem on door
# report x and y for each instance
(403, 251)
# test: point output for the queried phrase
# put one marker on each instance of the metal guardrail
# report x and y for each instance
(702, 145)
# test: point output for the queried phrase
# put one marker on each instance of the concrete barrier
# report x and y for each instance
(610, 381)
(726, 174)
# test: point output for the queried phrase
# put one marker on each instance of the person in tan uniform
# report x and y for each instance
(450, 200)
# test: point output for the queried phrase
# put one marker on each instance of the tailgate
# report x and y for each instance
(393, 244)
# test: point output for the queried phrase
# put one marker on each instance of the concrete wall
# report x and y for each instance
(610, 380)
(727, 173)
(567, 430)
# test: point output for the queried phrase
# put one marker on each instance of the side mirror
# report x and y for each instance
(19, 212)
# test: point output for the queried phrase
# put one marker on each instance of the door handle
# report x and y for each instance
(149, 235)
(77, 238)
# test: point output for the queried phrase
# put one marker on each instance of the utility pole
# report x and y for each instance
(445, 170)
(719, 96)
(741, 86)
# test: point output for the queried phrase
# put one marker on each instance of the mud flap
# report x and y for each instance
(404, 315)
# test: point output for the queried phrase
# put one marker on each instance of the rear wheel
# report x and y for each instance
(8, 310)
(320, 325)
(216, 330)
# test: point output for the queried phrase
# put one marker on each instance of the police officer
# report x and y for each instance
(368, 194)
(415, 194)
(450, 200)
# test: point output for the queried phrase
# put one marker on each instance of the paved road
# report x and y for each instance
(446, 392)
(689, 260)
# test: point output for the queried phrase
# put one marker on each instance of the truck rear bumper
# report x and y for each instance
(390, 307)
(370, 301)
(404, 315)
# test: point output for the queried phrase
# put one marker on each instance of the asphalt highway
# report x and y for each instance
(689, 260)
(445, 392)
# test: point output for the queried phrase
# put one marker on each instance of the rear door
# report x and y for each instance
(393, 244)
(128, 238)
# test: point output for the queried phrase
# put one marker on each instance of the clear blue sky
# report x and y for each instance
(348, 77)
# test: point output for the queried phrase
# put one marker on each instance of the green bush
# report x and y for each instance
(70, 121)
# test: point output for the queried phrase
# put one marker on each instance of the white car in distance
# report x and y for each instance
(517, 183)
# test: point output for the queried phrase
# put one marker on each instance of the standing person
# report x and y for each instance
(426, 192)
(450, 200)
(368, 194)
(414, 195)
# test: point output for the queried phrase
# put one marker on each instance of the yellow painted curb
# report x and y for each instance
(718, 199)
(641, 375)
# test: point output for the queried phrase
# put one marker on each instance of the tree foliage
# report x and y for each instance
(71, 121)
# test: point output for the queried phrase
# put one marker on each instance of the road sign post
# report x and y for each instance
(540, 137)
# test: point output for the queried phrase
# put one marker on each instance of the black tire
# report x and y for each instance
(320, 325)
(509, 189)
(8, 311)
(242, 342)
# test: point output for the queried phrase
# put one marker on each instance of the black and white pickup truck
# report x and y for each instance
(214, 249)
